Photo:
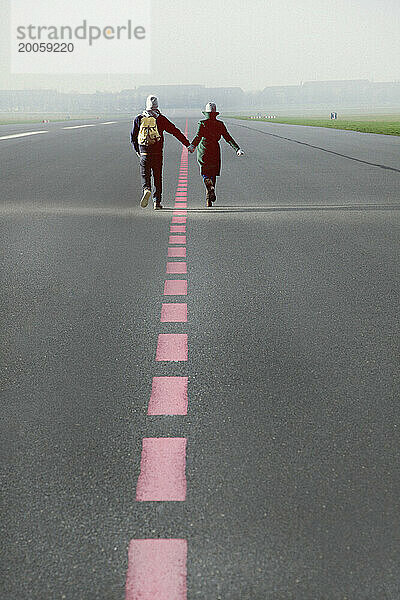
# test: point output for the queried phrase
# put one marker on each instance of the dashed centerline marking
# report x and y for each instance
(157, 567)
(175, 287)
(162, 470)
(177, 239)
(156, 570)
(174, 312)
(18, 135)
(178, 268)
(172, 347)
(169, 396)
(178, 252)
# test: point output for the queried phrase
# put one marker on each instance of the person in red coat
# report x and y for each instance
(206, 141)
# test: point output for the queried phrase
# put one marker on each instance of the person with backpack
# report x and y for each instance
(206, 141)
(147, 137)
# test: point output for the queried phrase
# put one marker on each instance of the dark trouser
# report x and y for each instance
(151, 162)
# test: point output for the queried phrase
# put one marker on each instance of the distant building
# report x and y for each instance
(28, 100)
(226, 97)
(351, 93)
(348, 91)
(283, 94)
(173, 96)
(386, 93)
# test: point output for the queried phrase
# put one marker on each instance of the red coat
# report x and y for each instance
(207, 139)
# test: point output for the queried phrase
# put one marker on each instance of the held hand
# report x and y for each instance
(191, 148)
(240, 152)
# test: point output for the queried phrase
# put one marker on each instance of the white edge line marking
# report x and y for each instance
(108, 123)
(78, 126)
(17, 135)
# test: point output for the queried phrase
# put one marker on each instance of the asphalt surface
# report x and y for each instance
(293, 424)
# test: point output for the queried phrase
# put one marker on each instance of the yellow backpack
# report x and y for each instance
(148, 132)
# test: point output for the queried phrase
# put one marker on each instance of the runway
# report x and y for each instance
(286, 392)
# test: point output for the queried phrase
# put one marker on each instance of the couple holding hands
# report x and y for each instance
(147, 137)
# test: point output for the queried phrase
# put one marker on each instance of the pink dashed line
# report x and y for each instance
(169, 396)
(157, 567)
(177, 239)
(156, 570)
(177, 252)
(174, 312)
(172, 347)
(176, 267)
(162, 470)
(175, 287)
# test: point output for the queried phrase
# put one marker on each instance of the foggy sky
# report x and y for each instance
(251, 45)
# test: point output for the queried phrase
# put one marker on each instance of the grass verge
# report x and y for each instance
(370, 125)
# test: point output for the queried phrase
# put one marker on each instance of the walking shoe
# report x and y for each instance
(157, 206)
(145, 198)
(209, 203)
(210, 190)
